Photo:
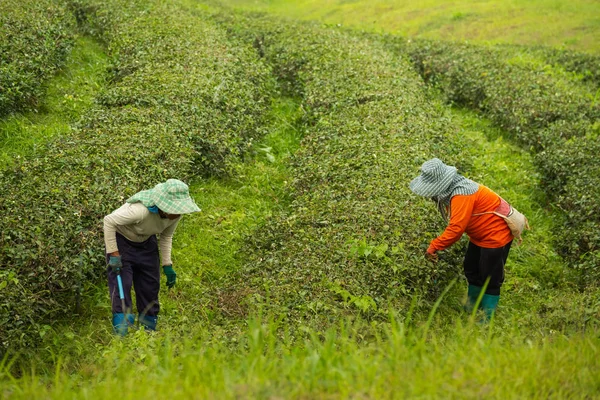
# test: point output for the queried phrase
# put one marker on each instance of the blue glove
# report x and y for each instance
(115, 263)
(171, 275)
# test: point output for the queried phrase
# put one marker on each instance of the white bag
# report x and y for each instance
(516, 221)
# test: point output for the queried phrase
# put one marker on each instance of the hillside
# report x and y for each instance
(304, 275)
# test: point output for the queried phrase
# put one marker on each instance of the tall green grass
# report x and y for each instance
(459, 360)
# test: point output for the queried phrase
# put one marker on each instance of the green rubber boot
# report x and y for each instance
(121, 323)
(472, 295)
(148, 322)
(489, 304)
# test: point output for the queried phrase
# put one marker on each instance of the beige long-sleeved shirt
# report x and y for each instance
(137, 223)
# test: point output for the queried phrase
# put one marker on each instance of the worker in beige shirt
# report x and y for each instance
(134, 252)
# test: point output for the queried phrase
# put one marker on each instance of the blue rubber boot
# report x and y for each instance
(148, 322)
(472, 296)
(489, 304)
(121, 323)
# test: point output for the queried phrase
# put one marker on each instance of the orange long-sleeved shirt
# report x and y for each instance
(487, 230)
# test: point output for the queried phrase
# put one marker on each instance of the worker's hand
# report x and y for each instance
(171, 275)
(431, 256)
(115, 263)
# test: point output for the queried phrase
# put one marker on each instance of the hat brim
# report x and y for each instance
(186, 206)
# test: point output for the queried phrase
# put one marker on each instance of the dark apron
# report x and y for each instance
(141, 268)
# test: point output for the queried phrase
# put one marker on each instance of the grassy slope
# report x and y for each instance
(574, 24)
(195, 356)
(190, 357)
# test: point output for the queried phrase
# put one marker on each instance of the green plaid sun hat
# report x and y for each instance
(172, 196)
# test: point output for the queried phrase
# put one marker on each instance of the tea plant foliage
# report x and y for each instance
(553, 114)
(188, 95)
(182, 101)
(354, 237)
(35, 38)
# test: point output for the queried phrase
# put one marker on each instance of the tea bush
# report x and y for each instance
(184, 100)
(575, 66)
(35, 38)
(587, 66)
(519, 98)
(571, 168)
(552, 114)
(224, 94)
(354, 238)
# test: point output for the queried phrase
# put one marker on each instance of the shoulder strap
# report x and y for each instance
(504, 206)
(488, 212)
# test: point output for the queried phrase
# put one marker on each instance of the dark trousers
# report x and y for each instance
(141, 268)
(481, 263)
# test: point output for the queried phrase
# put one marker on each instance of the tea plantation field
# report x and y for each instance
(304, 275)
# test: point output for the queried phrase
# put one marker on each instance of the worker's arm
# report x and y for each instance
(166, 242)
(461, 208)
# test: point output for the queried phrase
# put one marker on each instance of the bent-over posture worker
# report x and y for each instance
(467, 207)
(134, 252)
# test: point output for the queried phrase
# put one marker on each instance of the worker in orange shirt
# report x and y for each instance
(468, 207)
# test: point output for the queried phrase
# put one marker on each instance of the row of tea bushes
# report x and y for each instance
(552, 114)
(35, 38)
(157, 63)
(189, 101)
(574, 65)
(573, 179)
(586, 66)
(521, 99)
(354, 237)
